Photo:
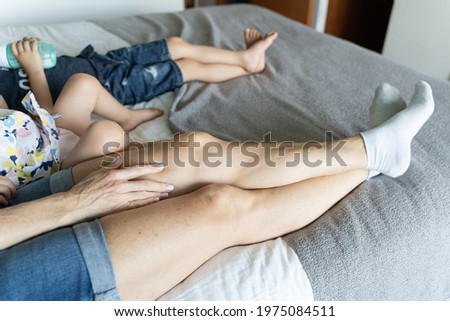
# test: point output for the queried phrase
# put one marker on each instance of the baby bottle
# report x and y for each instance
(46, 51)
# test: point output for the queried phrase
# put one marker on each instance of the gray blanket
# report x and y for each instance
(387, 240)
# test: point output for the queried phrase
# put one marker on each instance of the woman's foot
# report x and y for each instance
(388, 146)
(138, 116)
(254, 56)
(386, 103)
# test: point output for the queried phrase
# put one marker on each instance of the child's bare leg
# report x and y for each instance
(211, 73)
(216, 65)
(251, 59)
(100, 138)
(83, 95)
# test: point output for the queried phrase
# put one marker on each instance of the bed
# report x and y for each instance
(389, 239)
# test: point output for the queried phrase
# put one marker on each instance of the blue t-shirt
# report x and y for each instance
(14, 83)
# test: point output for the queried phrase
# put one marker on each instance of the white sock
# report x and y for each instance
(386, 103)
(388, 146)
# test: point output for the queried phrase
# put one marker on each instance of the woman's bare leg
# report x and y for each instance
(156, 247)
(83, 95)
(196, 159)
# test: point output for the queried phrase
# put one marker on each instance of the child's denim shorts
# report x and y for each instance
(138, 73)
(71, 263)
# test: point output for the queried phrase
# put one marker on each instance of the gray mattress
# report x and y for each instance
(389, 239)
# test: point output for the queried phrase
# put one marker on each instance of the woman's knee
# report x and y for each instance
(225, 201)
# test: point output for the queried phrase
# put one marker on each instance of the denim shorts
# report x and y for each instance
(71, 263)
(138, 73)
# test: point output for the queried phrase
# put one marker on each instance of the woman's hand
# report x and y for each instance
(7, 190)
(27, 54)
(103, 192)
(107, 191)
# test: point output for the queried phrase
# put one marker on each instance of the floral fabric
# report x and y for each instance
(29, 144)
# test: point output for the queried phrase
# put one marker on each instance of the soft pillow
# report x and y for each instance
(68, 38)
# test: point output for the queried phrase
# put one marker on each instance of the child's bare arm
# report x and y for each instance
(29, 59)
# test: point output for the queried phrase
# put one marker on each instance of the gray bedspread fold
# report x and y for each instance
(389, 239)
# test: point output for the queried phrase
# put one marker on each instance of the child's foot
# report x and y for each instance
(386, 103)
(251, 36)
(254, 56)
(138, 116)
(388, 146)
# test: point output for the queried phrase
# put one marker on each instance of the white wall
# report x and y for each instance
(24, 12)
(418, 36)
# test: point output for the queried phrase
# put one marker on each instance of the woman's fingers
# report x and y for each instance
(142, 202)
(3, 200)
(5, 192)
(108, 191)
(144, 185)
(133, 172)
(7, 188)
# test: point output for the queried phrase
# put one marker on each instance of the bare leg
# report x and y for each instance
(197, 159)
(83, 95)
(211, 73)
(100, 138)
(251, 59)
(183, 232)
(192, 161)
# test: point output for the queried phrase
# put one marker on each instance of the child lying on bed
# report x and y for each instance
(144, 71)
(36, 143)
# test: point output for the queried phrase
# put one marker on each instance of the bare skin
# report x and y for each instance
(251, 36)
(242, 206)
(209, 64)
(192, 164)
(95, 100)
(221, 206)
(185, 231)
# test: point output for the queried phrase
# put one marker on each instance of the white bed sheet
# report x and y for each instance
(267, 271)
(264, 271)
